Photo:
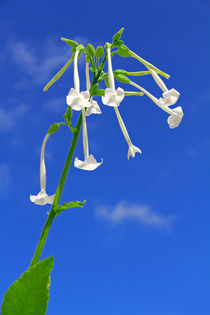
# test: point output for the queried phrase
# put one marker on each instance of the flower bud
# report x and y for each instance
(72, 43)
(117, 36)
(121, 78)
(91, 50)
(99, 52)
(124, 51)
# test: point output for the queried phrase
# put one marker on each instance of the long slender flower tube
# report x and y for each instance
(111, 96)
(114, 99)
(170, 97)
(94, 108)
(90, 163)
(42, 198)
(76, 99)
(176, 114)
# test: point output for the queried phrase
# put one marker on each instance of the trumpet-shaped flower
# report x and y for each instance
(176, 117)
(113, 97)
(76, 99)
(132, 149)
(42, 198)
(176, 114)
(170, 97)
(90, 163)
(93, 109)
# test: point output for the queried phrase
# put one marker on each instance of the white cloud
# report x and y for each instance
(39, 60)
(5, 178)
(9, 118)
(139, 213)
(56, 105)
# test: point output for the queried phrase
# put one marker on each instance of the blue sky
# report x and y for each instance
(141, 243)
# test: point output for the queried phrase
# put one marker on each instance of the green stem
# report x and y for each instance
(149, 65)
(59, 190)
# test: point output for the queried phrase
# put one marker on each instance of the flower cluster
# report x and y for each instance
(83, 100)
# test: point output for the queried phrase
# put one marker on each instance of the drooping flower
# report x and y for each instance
(111, 96)
(90, 163)
(76, 99)
(132, 149)
(176, 117)
(176, 114)
(170, 97)
(42, 197)
(114, 98)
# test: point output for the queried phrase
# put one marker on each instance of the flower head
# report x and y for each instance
(132, 150)
(176, 117)
(78, 100)
(169, 98)
(93, 109)
(42, 198)
(113, 97)
(89, 164)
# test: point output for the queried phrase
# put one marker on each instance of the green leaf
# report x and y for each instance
(30, 293)
(72, 43)
(99, 92)
(93, 88)
(99, 52)
(53, 128)
(68, 205)
(121, 78)
(91, 50)
(58, 74)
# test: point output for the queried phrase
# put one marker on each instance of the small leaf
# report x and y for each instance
(71, 204)
(99, 92)
(91, 50)
(58, 74)
(30, 293)
(99, 52)
(72, 43)
(93, 88)
(53, 128)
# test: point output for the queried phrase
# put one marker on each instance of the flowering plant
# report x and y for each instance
(30, 293)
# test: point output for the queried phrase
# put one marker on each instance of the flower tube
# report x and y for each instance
(42, 198)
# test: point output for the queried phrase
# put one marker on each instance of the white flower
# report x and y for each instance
(78, 100)
(132, 149)
(176, 117)
(42, 198)
(90, 163)
(93, 109)
(113, 97)
(169, 98)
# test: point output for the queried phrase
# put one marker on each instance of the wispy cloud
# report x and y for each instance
(38, 60)
(9, 118)
(56, 105)
(5, 178)
(139, 213)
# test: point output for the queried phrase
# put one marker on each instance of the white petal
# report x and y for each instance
(89, 164)
(94, 109)
(169, 98)
(85, 95)
(175, 118)
(112, 97)
(78, 100)
(42, 198)
(132, 150)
